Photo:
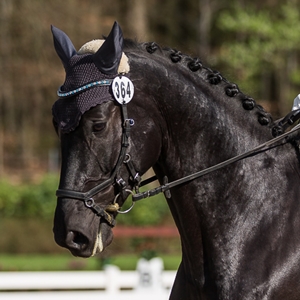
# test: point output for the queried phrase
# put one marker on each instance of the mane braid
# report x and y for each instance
(212, 76)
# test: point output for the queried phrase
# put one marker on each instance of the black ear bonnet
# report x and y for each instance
(88, 77)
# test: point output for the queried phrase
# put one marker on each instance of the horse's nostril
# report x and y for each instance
(76, 240)
(80, 239)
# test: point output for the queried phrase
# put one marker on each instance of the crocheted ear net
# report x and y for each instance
(81, 70)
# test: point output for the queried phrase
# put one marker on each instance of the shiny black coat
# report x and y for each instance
(239, 226)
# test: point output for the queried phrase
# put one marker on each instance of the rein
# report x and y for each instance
(277, 131)
(167, 186)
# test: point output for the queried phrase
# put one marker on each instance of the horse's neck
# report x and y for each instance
(218, 215)
(203, 115)
(202, 123)
(203, 126)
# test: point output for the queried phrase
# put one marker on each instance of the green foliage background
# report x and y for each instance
(266, 41)
(28, 200)
(37, 200)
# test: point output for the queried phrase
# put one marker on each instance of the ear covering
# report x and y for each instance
(108, 57)
(63, 45)
(89, 73)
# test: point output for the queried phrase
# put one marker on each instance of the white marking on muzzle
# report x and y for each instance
(98, 247)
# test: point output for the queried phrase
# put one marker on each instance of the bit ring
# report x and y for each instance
(131, 206)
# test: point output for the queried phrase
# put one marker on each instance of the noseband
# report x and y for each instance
(124, 158)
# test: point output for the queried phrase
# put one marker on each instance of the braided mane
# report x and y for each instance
(213, 77)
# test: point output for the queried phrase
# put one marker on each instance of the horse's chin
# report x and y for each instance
(103, 239)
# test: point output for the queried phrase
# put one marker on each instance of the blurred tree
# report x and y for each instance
(265, 48)
(6, 98)
(136, 18)
(207, 9)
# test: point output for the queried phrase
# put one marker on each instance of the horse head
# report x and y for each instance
(102, 156)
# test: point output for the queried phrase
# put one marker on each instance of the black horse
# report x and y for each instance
(239, 225)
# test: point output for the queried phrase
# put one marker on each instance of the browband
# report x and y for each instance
(81, 89)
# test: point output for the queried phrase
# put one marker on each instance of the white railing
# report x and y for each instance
(148, 282)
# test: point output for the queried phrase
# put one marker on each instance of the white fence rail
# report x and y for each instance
(149, 281)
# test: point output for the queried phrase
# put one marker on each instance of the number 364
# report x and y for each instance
(123, 89)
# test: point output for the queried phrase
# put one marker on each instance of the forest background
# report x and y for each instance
(253, 43)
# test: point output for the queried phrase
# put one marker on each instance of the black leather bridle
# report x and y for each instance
(124, 158)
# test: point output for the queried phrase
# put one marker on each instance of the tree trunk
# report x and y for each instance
(136, 18)
(207, 8)
(6, 92)
(205, 16)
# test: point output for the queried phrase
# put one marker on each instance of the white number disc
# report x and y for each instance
(123, 90)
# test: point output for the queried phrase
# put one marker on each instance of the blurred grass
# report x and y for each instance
(31, 262)
(67, 262)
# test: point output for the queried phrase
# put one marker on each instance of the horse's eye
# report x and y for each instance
(98, 127)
